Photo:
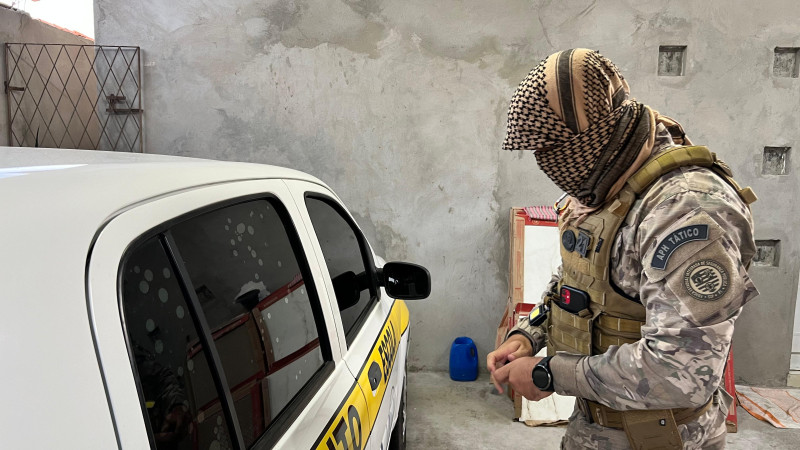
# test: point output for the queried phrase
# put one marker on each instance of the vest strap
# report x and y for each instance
(695, 155)
(668, 161)
(747, 195)
(724, 171)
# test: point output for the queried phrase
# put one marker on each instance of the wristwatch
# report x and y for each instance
(542, 377)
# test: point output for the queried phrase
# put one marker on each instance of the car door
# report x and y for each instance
(211, 322)
(372, 327)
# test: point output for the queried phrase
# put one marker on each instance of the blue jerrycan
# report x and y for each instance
(463, 360)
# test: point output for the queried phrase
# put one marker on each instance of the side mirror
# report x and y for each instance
(405, 281)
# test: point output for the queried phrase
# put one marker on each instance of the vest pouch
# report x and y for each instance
(569, 332)
(652, 430)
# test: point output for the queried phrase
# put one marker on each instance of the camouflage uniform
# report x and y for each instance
(691, 306)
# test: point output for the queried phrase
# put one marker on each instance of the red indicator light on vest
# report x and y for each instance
(573, 300)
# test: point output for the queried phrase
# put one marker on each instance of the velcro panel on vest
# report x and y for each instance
(568, 332)
(609, 222)
(601, 341)
(618, 324)
(572, 320)
(669, 161)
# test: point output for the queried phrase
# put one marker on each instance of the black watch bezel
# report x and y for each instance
(543, 367)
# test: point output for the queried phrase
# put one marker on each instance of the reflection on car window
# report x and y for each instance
(175, 380)
(346, 267)
(248, 281)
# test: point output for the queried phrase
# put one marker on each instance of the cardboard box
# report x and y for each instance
(516, 276)
(518, 220)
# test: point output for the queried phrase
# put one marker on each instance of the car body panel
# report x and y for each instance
(355, 425)
(103, 202)
(298, 190)
(366, 348)
(367, 345)
(389, 412)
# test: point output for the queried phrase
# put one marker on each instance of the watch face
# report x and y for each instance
(541, 378)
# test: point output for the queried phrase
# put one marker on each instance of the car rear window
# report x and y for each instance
(174, 378)
(247, 280)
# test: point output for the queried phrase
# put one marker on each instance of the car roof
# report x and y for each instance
(17, 161)
(95, 182)
(83, 189)
(53, 202)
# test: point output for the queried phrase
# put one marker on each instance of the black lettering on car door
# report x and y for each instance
(340, 433)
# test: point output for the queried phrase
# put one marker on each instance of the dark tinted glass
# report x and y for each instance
(248, 280)
(340, 246)
(177, 387)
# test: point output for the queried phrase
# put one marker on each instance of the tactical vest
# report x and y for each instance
(610, 317)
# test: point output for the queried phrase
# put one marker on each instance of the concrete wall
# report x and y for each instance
(401, 107)
(18, 27)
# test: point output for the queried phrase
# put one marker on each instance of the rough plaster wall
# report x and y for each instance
(18, 27)
(401, 105)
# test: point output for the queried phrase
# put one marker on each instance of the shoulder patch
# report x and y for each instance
(674, 240)
(706, 280)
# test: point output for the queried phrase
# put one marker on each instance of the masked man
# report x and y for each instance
(656, 238)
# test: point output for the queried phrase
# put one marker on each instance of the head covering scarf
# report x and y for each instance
(573, 110)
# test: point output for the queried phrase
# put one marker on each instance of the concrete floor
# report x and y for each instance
(444, 414)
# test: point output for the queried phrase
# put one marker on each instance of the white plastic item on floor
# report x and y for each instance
(554, 410)
(780, 407)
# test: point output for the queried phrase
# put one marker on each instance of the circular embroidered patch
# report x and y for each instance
(706, 280)
(568, 240)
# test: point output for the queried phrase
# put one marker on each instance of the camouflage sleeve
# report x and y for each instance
(691, 247)
(536, 334)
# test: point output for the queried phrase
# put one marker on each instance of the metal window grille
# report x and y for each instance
(74, 96)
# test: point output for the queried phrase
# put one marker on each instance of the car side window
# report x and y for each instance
(174, 378)
(348, 260)
(244, 265)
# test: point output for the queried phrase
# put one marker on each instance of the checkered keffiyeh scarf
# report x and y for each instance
(573, 111)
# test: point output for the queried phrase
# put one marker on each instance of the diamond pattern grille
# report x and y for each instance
(74, 96)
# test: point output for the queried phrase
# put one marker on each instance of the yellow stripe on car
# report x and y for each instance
(351, 426)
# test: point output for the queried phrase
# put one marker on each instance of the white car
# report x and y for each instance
(163, 302)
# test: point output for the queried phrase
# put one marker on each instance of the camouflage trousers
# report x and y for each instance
(707, 432)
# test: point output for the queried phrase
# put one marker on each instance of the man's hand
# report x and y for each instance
(517, 346)
(517, 373)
